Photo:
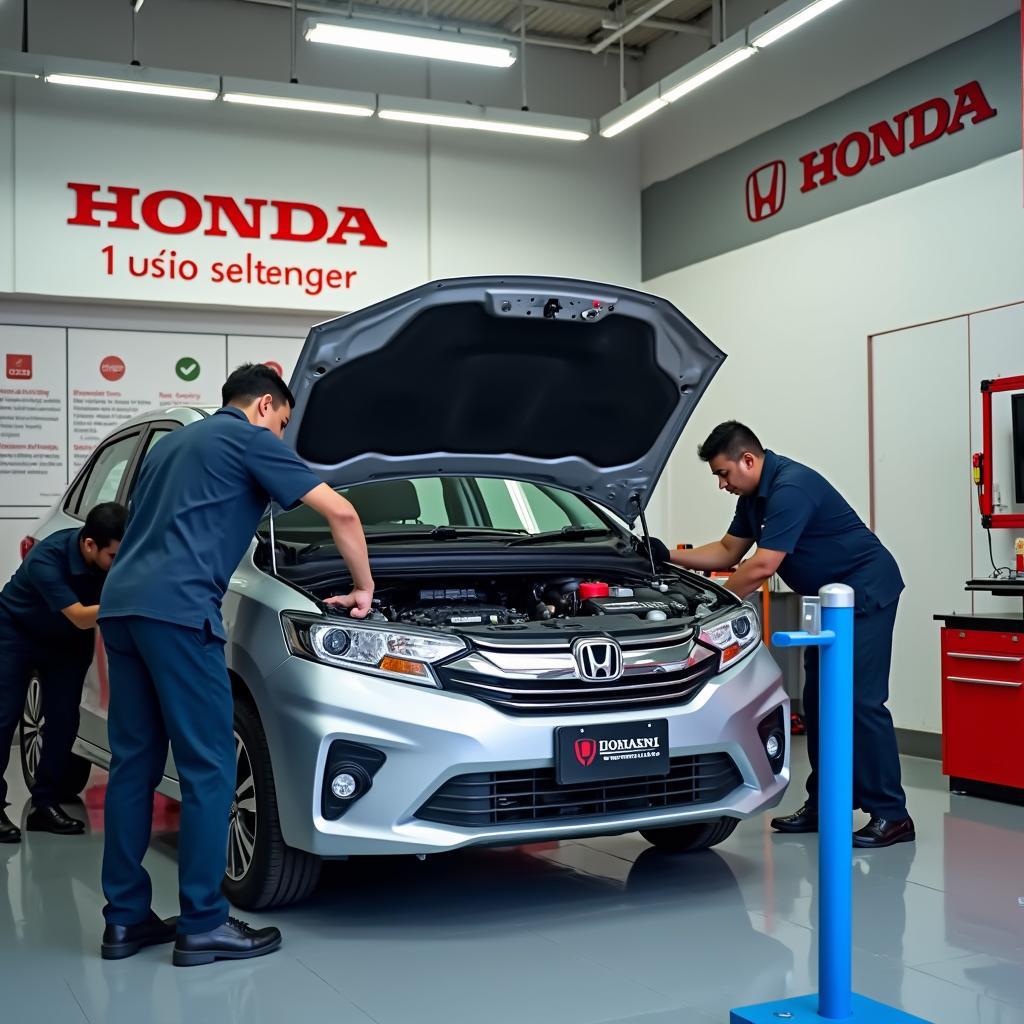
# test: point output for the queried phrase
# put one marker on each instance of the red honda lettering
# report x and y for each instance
(884, 135)
(191, 208)
(285, 228)
(970, 101)
(356, 221)
(922, 133)
(86, 206)
(847, 167)
(244, 227)
(823, 165)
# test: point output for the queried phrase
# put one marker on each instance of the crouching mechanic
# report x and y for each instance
(47, 623)
(807, 533)
(199, 498)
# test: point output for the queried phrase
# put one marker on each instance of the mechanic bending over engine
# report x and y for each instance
(807, 533)
(48, 624)
(199, 498)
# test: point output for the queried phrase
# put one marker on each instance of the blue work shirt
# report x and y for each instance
(195, 508)
(53, 576)
(796, 510)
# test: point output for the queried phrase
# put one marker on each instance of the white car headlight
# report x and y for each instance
(382, 650)
(734, 636)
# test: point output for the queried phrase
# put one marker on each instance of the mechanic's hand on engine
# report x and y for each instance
(359, 602)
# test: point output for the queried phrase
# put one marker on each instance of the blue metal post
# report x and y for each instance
(835, 802)
(835, 1000)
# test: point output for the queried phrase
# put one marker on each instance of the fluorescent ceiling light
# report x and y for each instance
(409, 42)
(695, 81)
(98, 74)
(635, 118)
(484, 119)
(20, 65)
(314, 99)
(182, 92)
(792, 23)
(137, 5)
(313, 106)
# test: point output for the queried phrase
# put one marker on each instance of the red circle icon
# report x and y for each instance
(276, 367)
(112, 368)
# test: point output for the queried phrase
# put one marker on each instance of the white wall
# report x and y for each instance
(794, 313)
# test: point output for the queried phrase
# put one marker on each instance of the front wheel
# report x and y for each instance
(701, 835)
(30, 742)
(262, 870)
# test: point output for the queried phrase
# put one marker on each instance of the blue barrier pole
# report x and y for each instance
(835, 1000)
(835, 803)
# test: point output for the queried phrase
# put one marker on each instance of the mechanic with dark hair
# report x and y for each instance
(807, 533)
(200, 495)
(48, 623)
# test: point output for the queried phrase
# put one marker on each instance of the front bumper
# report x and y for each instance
(430, 736)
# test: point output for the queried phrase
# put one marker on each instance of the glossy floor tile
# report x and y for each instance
(601, 931)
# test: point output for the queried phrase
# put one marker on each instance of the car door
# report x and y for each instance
(104, 478)
(96, 695)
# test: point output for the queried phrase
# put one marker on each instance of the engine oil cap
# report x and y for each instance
(593, 590)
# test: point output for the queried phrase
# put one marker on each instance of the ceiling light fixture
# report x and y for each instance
(409, 42)
(311, 99)
(484, 119)
(633, 111)
(789, 24)
(95, 74)
(672, 92)
(137, 5)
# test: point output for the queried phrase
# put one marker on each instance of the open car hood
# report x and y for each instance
(579, 385)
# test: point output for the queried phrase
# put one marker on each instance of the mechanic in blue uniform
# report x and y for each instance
(807, 533)
(47, 622)
(199, 498)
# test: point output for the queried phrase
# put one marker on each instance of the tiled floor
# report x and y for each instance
(605, 930)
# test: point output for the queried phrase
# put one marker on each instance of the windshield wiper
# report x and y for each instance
(565, 533)
(442, 533)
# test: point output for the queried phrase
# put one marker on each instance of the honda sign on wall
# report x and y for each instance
(946, 112)
(114, 203)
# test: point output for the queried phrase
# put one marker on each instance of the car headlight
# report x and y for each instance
(405, 654)
(734, 636)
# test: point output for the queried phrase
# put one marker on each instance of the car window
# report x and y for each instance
(105, 474)
(157, 435)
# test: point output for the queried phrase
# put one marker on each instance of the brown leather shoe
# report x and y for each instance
(804, 820)
(879, 832)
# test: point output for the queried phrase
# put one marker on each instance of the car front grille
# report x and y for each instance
(534, 795)
(538, 696)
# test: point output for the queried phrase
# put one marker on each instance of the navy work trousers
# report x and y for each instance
(167, 683)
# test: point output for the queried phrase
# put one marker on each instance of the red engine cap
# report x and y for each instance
(593, 590)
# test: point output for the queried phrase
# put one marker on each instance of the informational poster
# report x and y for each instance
(115, 375)
(278, 353)
(33, 415)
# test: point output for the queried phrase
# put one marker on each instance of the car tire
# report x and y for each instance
(701, 835)
(262, 870)
(30, 744)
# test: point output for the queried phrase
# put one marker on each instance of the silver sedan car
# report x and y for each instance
(531, 669)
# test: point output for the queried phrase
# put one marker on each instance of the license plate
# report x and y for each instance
(623, 750)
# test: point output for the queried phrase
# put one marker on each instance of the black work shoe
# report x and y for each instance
(53, 819)
(233, 940)
(804, 820)
(122, 940)
(879, 832)
(9, 832)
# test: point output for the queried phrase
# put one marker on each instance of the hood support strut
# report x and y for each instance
(647, 536)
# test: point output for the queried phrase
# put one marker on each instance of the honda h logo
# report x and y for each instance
(598, 660)
(766, 190)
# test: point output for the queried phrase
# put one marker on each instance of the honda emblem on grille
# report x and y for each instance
(585, 751)
(598, 660)
(766, 190)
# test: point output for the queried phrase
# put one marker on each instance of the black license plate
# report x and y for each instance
(624, 750)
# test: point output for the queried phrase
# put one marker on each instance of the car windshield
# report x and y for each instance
(449, 508)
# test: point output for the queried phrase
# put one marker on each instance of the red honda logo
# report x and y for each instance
(586, 751)
(766, 190)
(19, 367)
